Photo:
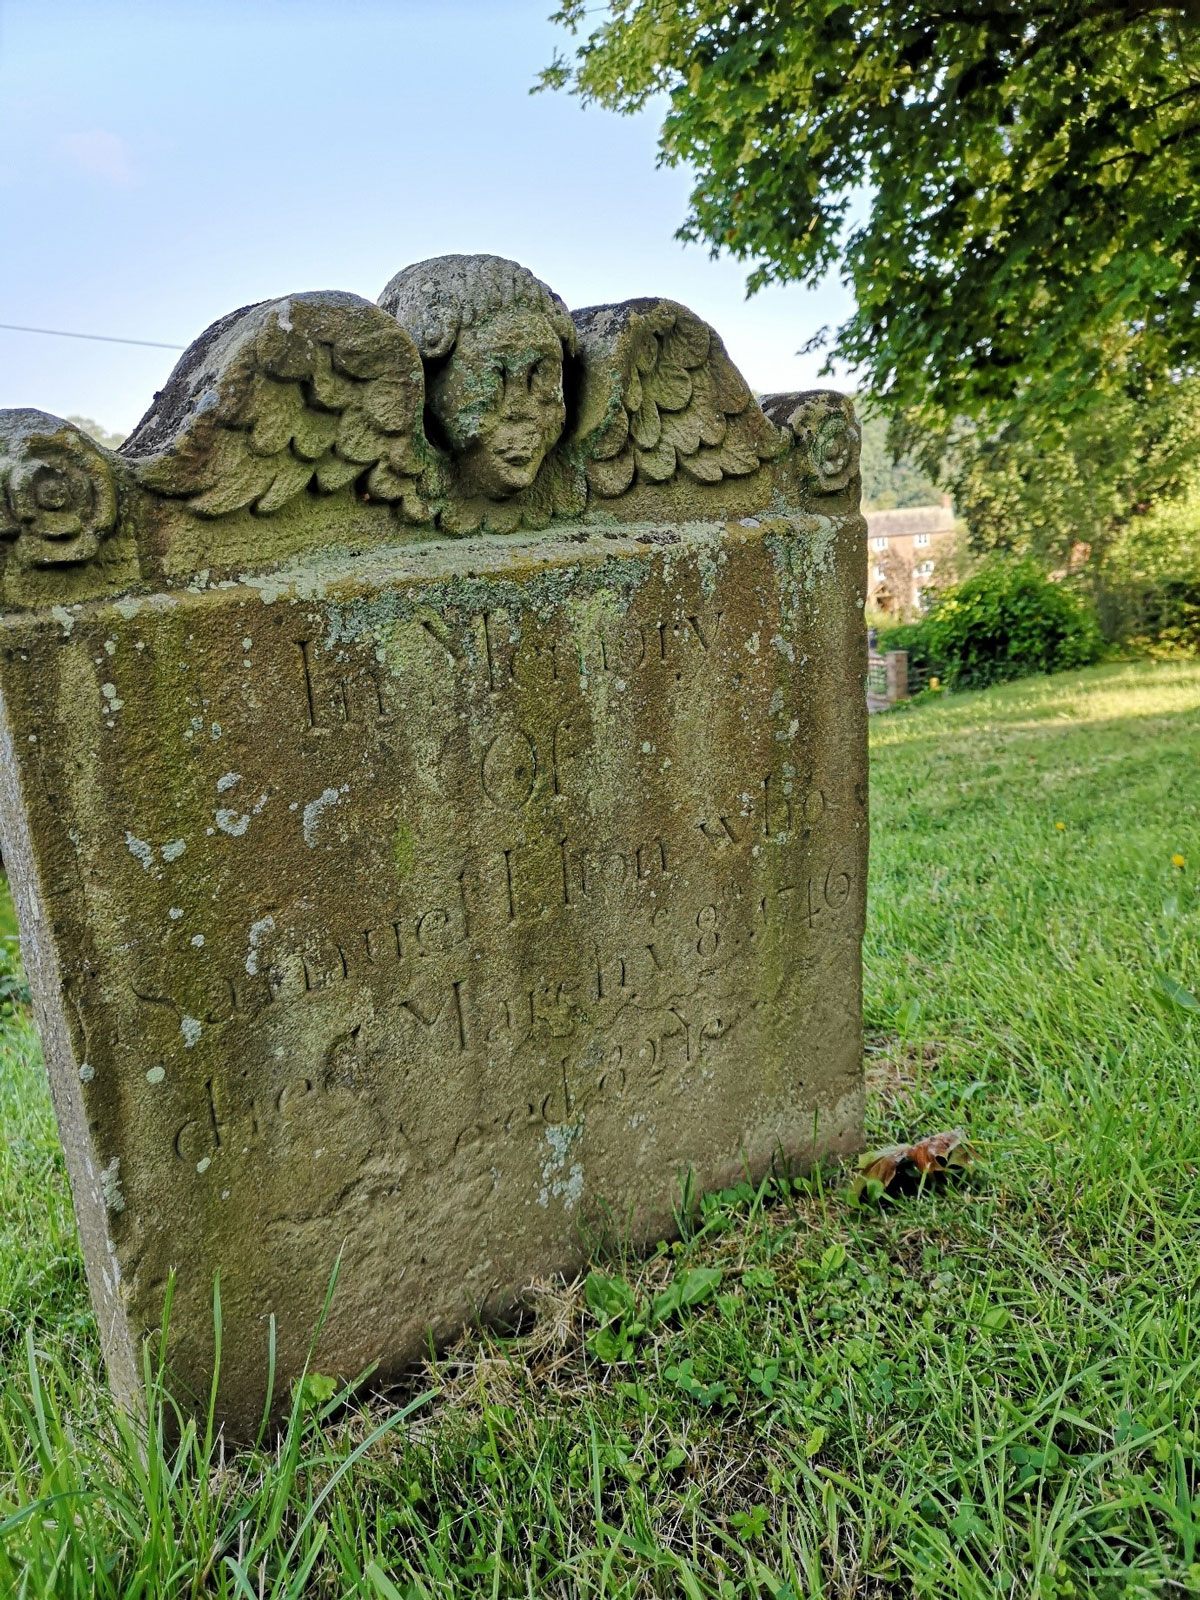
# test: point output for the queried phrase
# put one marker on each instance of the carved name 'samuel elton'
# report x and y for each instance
(434, 792)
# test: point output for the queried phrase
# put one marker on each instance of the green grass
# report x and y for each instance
(988, 1391)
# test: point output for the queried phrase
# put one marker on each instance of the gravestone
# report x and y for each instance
(434, 790)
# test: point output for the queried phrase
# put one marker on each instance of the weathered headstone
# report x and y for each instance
(434, 790)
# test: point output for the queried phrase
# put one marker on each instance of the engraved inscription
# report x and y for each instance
(510, 769)
(634, 1016)
(465, 855)
(351, 686)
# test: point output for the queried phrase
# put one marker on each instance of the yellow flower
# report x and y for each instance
(1177, 860)
(1061, 826)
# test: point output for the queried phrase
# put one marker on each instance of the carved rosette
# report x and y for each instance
(468, 400)
(58, 496)
(823, 424)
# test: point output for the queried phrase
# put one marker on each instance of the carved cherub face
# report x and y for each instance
(499, 400)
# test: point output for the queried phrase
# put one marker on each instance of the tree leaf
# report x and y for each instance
(1174, 991)
(1030, 230)
(907, 1165)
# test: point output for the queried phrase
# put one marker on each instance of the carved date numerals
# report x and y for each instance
(811, 897)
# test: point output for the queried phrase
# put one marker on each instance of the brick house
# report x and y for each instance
(907, 550)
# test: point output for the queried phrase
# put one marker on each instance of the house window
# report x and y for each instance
(879, 544)
(879, 574)
(925, 569)
(921, 540)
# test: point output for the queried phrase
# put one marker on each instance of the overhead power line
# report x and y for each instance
(103, 338)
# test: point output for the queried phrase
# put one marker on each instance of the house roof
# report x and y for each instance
(910, 519)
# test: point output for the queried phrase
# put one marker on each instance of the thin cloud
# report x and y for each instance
(101, 155)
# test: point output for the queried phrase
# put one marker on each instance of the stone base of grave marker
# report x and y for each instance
(418, 902)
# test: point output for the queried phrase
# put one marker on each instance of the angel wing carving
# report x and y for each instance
(312, 392)
(661, 396)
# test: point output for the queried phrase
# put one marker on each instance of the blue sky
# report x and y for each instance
(168, 160)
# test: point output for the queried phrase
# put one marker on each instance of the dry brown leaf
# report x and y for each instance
(906, 1165)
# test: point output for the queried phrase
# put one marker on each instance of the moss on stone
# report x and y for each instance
(404, 849)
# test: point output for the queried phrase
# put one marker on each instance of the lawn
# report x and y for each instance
(993, 1389)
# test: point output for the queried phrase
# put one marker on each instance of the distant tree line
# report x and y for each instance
(890, 483)
(93, 429)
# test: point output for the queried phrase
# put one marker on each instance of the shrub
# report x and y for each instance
(1008, 620)
(913, 637)
(1155, 616)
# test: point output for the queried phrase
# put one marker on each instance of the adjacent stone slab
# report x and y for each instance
(415, 899)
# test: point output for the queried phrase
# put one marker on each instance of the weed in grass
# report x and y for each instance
(989, 1391)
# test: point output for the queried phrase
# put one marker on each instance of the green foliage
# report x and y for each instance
(912, 637)
(1032, 175)
(1008, 620)
(1112, 495)
(1148, 592)
(1161, 545)
(1107, 484)
(314, 1390)
(14, 991)
(993, 1391)
(888, 482)
(623, 1319)
(94, 430)
(1158, 617)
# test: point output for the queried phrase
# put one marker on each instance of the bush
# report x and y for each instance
(913, 637)
(1156, 616)
(1007, 621)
